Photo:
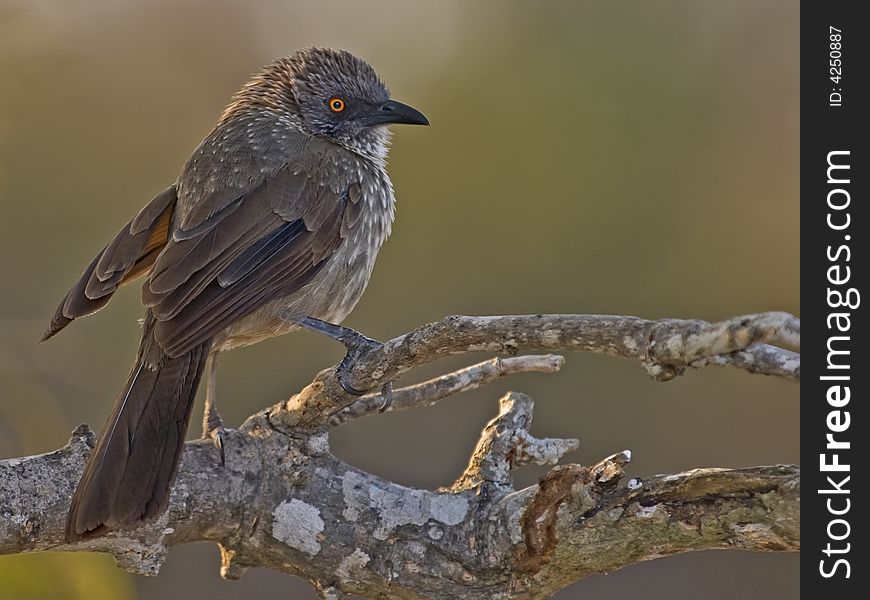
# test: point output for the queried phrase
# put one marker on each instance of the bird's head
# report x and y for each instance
(331, 94)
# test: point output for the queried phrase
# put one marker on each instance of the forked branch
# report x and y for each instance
(283, 501)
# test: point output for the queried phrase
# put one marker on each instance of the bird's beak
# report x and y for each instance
(395, 112)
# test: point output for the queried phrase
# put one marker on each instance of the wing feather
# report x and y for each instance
(130, 254)
(201, 285)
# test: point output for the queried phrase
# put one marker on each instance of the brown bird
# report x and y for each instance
(274, 223)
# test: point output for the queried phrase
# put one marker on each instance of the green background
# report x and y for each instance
(636, 157)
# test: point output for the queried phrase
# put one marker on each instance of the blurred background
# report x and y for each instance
(599, 157)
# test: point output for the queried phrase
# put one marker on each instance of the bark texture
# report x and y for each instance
(283, 501)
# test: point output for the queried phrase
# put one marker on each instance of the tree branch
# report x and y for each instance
(283, 501)
(430, 392)
(665, 348)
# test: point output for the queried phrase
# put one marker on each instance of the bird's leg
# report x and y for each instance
(356, 344)
(212, 424)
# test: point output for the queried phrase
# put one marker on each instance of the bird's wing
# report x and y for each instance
(129, 255)
(268, 244)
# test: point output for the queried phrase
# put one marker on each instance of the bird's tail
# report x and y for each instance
(129, 474)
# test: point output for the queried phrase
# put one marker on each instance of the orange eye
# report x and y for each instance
(336, 105)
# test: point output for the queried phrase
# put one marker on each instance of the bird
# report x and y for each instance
(273, 225)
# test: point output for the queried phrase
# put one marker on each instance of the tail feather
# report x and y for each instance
(129, 475)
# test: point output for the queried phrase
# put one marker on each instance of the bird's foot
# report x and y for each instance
(213, 428)
(357, 344)
(344, 371)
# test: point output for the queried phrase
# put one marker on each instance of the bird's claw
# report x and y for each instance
(343, 372)
(213, 427)
(217, 436)
(342, 380)
(387, 393)
(357, 344)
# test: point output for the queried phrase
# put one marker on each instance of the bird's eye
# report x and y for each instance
(336, 105)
